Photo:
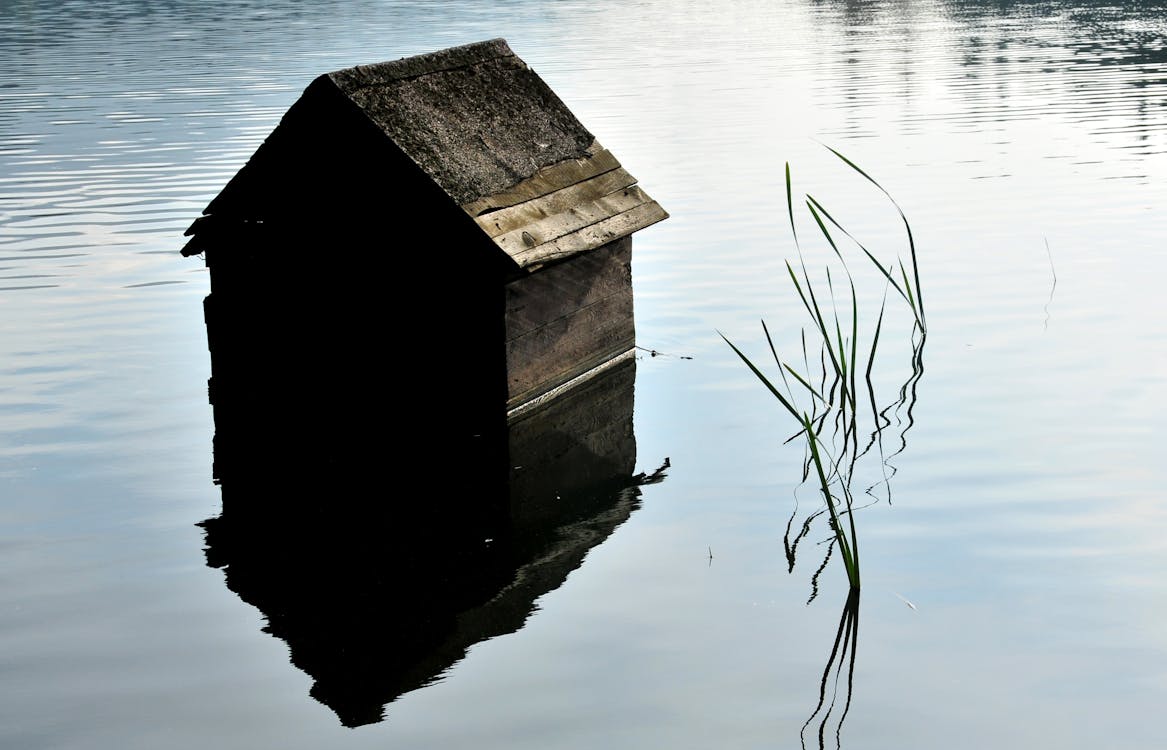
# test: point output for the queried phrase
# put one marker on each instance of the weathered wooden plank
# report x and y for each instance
(591, 236)
(574, 219)
(567, 319)
(537, 299)
(505, 220)
(547, 180)
(568, 346)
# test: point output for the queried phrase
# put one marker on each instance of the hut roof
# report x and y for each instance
(499, 143)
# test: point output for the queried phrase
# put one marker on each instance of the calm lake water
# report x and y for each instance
(1028, 523)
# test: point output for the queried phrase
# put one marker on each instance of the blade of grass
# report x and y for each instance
(849, 560)
(907, 226)
(886, 271)
(765, 381)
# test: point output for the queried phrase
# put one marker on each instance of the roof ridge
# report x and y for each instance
(361, 77)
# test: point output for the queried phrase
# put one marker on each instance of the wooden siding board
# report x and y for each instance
(568, 319)
(559, 290)
(567, 347)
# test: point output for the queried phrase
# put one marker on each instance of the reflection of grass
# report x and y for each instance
(842, 652)
(830, 424)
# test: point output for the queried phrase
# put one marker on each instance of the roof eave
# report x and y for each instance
(565, 209)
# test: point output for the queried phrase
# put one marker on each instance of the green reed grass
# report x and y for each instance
(830, 423)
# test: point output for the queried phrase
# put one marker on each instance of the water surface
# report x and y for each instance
(1028, 522)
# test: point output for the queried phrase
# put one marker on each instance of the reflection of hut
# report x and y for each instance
(372, 609)
(447, 210)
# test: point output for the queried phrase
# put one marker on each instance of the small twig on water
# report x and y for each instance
(655, 353)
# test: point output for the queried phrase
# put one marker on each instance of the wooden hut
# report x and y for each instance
(445, 214)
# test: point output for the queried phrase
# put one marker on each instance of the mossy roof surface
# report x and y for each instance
(475, 118)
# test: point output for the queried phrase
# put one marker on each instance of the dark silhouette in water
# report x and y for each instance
(381, 567)
(842, 653)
